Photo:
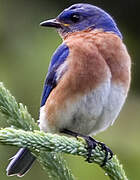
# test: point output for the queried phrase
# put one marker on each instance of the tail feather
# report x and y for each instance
(20, 163)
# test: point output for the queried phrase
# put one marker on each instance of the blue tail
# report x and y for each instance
(20, 163)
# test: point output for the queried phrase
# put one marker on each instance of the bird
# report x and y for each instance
(87, 82)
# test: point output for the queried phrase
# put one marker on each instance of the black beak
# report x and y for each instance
(51, 23)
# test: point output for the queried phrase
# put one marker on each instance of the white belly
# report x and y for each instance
(92, 113)
(95, 111)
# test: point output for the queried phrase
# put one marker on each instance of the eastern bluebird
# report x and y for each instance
(87, 81)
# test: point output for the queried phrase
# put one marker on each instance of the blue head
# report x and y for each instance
(79, 17)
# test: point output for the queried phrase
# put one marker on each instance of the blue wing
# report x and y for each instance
(58, 58)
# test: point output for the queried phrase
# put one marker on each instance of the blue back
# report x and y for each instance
(58, 58)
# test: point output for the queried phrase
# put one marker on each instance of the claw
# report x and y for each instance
(91, 143)
(107, 152)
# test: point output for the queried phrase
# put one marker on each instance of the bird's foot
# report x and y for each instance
(91, 144)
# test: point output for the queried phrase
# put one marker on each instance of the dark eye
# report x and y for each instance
(75, 18)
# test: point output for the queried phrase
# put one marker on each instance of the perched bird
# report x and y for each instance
(87, 81)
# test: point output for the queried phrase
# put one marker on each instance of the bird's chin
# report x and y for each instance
(63, 32)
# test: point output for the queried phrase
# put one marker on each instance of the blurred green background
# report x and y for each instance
(25, 52)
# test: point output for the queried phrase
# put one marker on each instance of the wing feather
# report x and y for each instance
(58, 58)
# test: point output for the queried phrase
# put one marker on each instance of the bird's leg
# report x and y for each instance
(71, 133)
(91, 143)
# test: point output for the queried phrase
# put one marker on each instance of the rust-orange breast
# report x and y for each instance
(93, 56)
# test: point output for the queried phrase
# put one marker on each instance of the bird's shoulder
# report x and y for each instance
(97, 38)
(104, 48)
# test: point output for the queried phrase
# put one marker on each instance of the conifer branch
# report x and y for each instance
(18, 117)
